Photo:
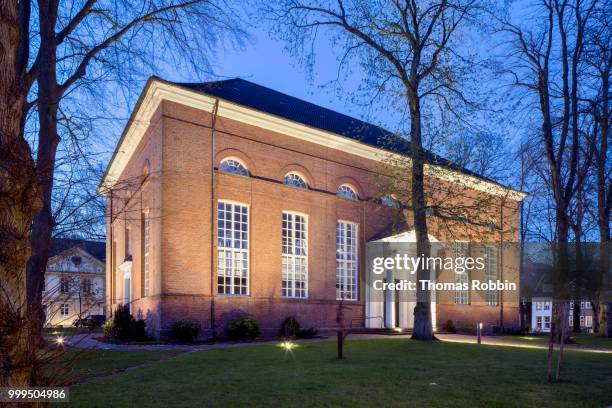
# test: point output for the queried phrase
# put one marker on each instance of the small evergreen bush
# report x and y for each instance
(185, 331)
(243, 328)
(289, 327)
(450, 327)
(125, 328)
(109, 329)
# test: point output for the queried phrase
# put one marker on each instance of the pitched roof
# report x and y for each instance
(267, 100)
(96, 249)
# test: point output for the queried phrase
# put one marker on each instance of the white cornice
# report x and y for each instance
(158, 91)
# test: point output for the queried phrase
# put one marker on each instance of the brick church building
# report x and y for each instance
(227, 199)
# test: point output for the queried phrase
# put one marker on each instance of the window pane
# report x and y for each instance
(232, 251)
(346, 260)
(294, 252)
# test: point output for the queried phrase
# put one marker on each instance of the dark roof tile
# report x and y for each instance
(94, 248)
(267, 100)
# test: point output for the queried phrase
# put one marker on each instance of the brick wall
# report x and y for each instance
(178, 147)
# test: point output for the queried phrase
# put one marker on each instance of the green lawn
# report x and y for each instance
(390, 372)
(75, 365)
(581, 339)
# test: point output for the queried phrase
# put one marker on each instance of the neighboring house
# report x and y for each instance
(537, 288)
(74, 281)
(229, 198)
(541, 315)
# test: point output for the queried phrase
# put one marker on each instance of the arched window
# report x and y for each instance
(233, 166)
(347, 192)
(391, 201)
(295, 180)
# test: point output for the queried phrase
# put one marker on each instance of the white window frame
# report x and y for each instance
(146, 251)
(462, 297)
(588, 321)
(547, 322)
(347, 191)
(241, 166)
(296, 180)
(347, 261)
(64, 309)
(86, 285)
(65, 284)
(227, 265)
(491, 296)
(539, 322)
(294, 256)
(390, 201)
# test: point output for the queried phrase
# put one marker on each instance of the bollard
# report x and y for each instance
(479, 332)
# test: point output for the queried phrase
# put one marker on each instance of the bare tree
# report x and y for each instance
(54, 50)
(410, 49)
(19, 199)
(541, 56)
(599, 59)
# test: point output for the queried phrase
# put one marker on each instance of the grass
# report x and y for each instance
(392, 372)
(581, 339)
(76, 365)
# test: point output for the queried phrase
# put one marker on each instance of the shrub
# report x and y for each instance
(109, 329)
(185, 331)
(125, 328)
(243, 328)
(139, 330)
(289, 327)
(308, 333)
(450, 327)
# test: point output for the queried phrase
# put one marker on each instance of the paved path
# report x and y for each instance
(88, 341)
(497, 341)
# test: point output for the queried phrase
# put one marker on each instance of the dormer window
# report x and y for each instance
(295, 180)
(76, 260)
(233, 166)
(348, 192)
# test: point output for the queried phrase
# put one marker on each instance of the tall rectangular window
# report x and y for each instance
(295, 256)
(64, 285)
(146, 228)
(462, 294)
(346, 260)
(491, 274)
(86, 286)
(232, 249)
(128, 241)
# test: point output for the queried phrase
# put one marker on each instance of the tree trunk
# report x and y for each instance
(609, 319)
(563, 314)
(595, 308)
(423, 329)
(48, 140)
(19, 202)
(576, 314)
